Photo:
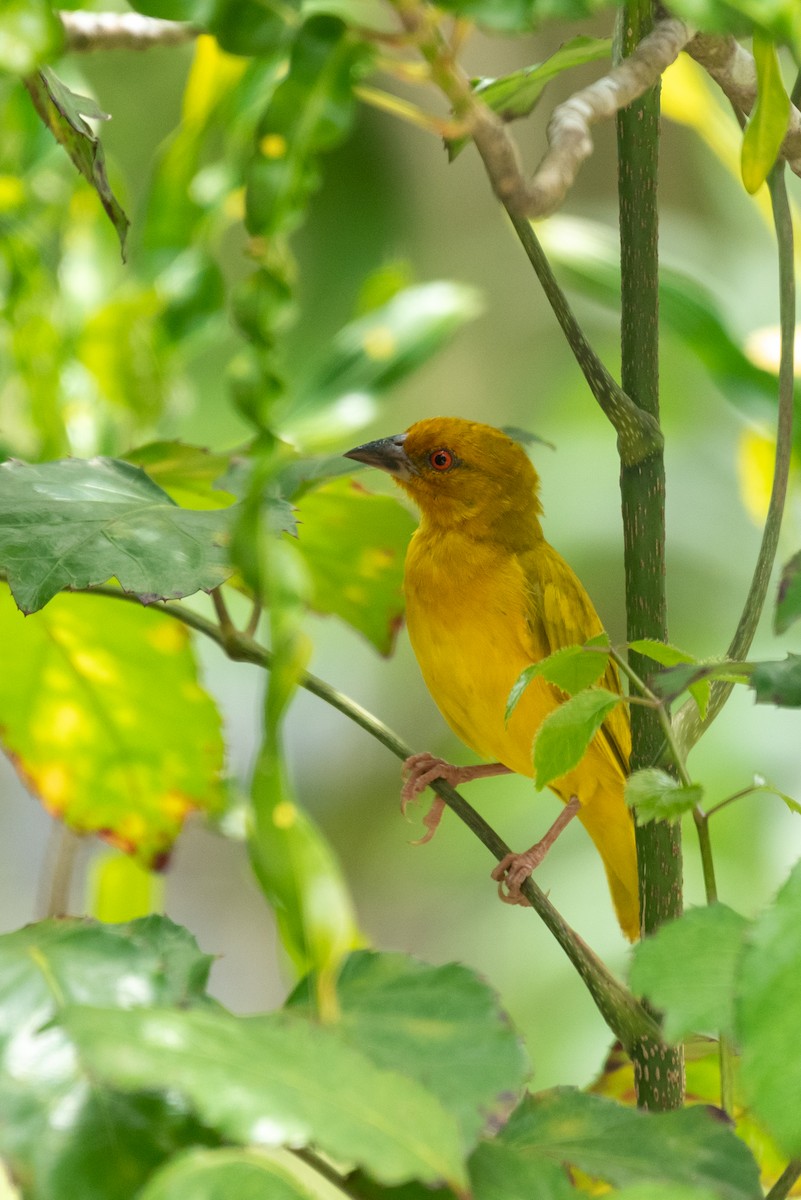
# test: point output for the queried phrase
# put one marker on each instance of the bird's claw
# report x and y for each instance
(431, 821)
(419, 771)
(513, 870)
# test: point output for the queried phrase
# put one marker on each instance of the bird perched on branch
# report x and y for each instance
(486, 595)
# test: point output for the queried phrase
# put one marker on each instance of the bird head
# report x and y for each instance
(461, 473)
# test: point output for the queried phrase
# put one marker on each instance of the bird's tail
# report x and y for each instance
(609, 823)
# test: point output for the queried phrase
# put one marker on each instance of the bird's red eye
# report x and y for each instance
(441, 460)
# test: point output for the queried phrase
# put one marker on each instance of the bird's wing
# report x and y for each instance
(560, 613)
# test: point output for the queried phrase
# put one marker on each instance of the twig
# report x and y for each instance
(569, 137)
(570, 141)
(86, 31)
(734, 71)
(622, 1012)
(783, 1185)
(638, 434)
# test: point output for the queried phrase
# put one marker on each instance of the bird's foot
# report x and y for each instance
(419, 771)
(514, 869)
(512, 872)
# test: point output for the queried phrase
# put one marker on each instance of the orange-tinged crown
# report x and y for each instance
(463, 471)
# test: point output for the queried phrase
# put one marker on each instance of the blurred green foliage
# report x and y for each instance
(234, 323)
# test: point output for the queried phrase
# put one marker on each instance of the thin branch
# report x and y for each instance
(687, 722)
(784, 1184)
(734, 71)
(622, 1012)
(86, 31)
(569, 136)
(638, 433)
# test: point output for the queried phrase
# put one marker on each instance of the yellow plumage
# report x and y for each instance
(485, 596)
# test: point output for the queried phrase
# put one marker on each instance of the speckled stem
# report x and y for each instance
(658, 1069)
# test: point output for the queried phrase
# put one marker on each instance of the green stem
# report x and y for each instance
(707, 863)
(688, 723)
(710, 812)
(624, 1015)
(659, 1070)
(638, 433)
(784, 1184)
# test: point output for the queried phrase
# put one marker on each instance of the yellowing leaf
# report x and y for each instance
(756, 458)
(105, 720)
(354, 544)
(690, 98)
(767, 125)
(212, 75)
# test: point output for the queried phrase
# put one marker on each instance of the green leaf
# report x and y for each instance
(120, 345)
(30, 34)
(106, 750)
(233, 1174)
(302, 879)
(354, 544)
(657, 796)
(589, 255)
(778, 682)
(770, 115)
(622, 1145)
(565, 734)
(572, 669)
(519, 16)
(110, 1143)
(369, 15)
(295, 865)
(688, 969)
(275, 1080)
(196, 12)
(788, 602)
(189, 474)
(373, 353)
(75, 523)
(499, 1171)
(253, 27)
(310, 112)
(515, 95)
(768, 1012)
(671, 683)
(665, 1191)
(779, 19)
(670, 656)
(442, 1026)
(192, 291)
(62, 112)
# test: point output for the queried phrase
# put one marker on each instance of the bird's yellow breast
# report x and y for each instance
(465, 608)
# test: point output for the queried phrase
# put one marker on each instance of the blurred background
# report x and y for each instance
(389, 195)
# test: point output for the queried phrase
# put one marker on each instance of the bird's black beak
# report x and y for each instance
(387, 454)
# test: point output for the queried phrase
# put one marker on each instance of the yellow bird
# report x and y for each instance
(486, 595)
